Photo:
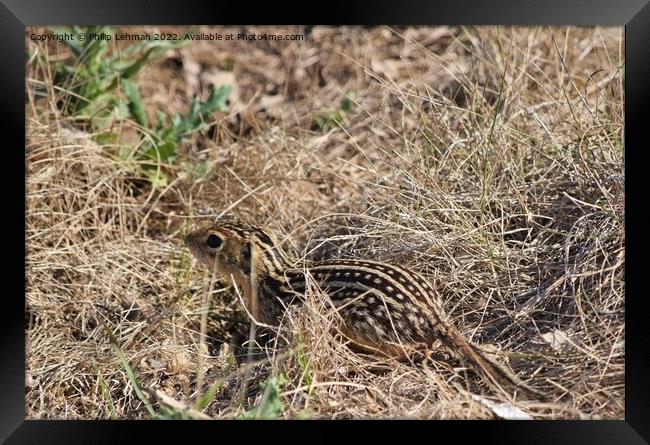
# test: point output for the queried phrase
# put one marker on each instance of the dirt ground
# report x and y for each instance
(489, 159)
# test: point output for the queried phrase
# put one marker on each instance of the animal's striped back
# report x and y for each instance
(389, 304)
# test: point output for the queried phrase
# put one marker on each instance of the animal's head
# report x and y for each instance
(246, 254)
(236, 248)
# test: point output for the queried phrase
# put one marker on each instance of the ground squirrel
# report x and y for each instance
(385, 308)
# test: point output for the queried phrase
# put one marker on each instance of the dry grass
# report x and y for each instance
(490, 160)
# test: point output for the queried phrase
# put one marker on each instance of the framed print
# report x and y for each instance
(425, 213)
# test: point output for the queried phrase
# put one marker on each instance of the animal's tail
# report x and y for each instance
(494, 372)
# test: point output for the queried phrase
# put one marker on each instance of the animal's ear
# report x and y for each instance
(245, 258)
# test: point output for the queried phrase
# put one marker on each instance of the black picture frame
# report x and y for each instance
(15, 15)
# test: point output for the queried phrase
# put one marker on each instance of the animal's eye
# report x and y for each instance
(214, 241)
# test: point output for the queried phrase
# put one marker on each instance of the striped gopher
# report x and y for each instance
(383, 307)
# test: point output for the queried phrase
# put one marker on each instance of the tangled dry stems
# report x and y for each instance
(490, 160)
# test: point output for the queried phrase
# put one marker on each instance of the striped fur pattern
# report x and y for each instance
(383, 305)
(385, 308)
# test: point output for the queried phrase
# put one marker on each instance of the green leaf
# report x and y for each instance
(303, 361)
(132, 69)
(129, 371)
(200, 112)
(165, 150)
(348, 101)
(218, 99)
(328, 120)
(106, 138)
(271, 406)
(135, 103)
(107, 394)
(157, 178)
(159, 46)
(206, 398)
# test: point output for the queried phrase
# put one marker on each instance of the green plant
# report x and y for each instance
(207, 397)
(303, 362)
(271, 406)
(160, 143)
(168, 133)
(93, 82)
(165, 412)
(129, 372)
(106, 394)
(329, 119)
(92, 77)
